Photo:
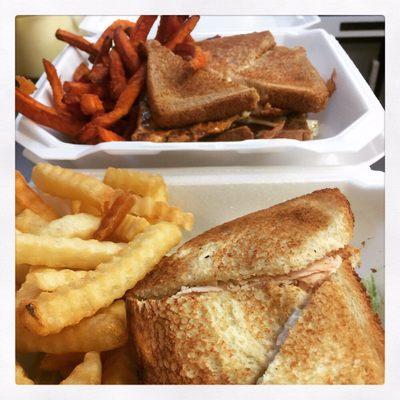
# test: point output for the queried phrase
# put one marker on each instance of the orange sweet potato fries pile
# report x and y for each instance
(101, 102)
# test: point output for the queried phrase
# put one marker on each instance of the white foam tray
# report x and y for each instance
(351, 128)
(227, 25)
(217, 195)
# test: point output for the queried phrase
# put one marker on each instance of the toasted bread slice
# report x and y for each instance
(215, 336)
(286, 79)
(337, 339)
(231, 54)
(284, 238)
(180, 96)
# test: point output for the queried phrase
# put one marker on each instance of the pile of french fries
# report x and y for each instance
(77, 253)
(101, 103)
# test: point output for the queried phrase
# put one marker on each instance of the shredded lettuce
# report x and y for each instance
(370, 286)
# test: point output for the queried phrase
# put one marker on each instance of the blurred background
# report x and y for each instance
(362, 37)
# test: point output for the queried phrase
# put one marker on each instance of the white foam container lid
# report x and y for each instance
(351, 128)
(217, 195)
(94, 24)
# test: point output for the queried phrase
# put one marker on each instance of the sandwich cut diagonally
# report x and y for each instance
(270, 297)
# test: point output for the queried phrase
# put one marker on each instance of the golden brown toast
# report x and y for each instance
(180, 96)
(231, 54)
(284, 238)
(212, 337)
(286, 79)
(337, 339)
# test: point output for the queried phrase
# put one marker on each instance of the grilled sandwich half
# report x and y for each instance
(270, 297)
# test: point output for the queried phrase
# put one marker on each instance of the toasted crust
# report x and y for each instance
(179, 96)
(286, 79)
(231, 54)
(217, 337)
(337, 340)
(278, 240)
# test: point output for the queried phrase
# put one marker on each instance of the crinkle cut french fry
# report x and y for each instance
(59, 252)
(86, 373)
(103, 331)
(58, 362)
(29, 222)
(137, 182)
(80, 225)
(20, 376)
(68, 184)
(67, 305)
(18, 207)
(114, 215)
(159, 211)
(129, 228)
(26, 293)
(119, 368)
(26, 197)
(48, 280)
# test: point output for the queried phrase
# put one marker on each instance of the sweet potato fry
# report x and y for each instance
(128, 54)
(25, 85)
(80, 88)
(91, 104)
(114, 216)
(185, 29)
(77, 41)
(199, 58)
(28, 198)
(105, 135)
(56, 87)
(99, 73)
(125, 101)
(168, 25)
(109, 32)
(117, 75)
(45, 115)
(71, 99)
(81, 73)
(141, 31)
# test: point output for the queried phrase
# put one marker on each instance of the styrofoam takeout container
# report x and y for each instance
(248, 189)
(351, 128)
(94, 24)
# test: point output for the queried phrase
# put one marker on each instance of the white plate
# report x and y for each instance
(217, 195)
(351, 128)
